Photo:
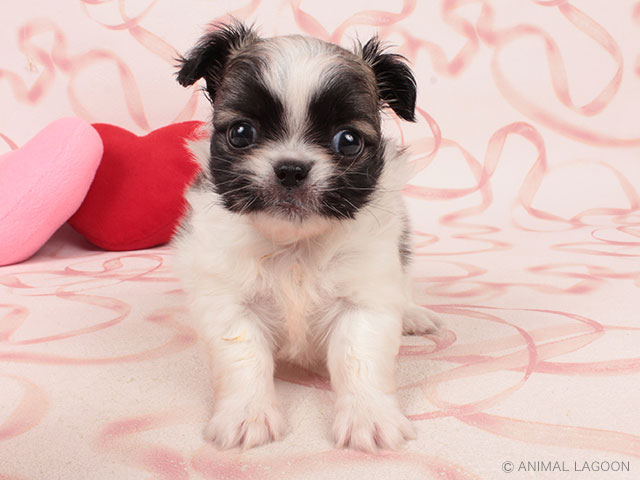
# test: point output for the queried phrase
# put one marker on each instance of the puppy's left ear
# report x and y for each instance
(396, 83)
(210, 55)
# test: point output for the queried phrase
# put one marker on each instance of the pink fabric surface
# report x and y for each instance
(526, 210)
(43, 183)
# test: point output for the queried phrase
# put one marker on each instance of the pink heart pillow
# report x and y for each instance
(43, 183)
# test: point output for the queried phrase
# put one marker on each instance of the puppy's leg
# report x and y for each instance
(417, 320)
(246, 410)
(361, 358)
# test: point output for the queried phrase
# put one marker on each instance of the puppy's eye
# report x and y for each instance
(347, 143)
(241, 135)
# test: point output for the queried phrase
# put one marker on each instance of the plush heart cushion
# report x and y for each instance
(43, 183)
(137, 197)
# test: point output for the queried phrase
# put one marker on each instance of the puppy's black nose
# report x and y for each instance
(291, 173)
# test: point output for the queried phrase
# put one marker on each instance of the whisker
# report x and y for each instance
(236, 190)
(247, 205)
(374, 216)
(333, 209)
(214, 170)
(348, 201)
(379, 207)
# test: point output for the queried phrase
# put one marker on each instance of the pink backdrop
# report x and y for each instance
(526, 209)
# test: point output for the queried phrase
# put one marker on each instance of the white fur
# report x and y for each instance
(333, 291)
(329, 291)
(313, 60)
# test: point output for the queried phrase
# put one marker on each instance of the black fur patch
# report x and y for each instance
(347, 98)
(243, 97)
(208, 58)
(236, 186)
(352, 185)
(404, 243)
(396, 83)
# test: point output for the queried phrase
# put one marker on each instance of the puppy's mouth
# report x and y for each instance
(290, 215)
(297, 204)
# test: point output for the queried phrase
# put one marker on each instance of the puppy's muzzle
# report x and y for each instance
(291, 173)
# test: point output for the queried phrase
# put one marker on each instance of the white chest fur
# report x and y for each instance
(291, 297)
(296, 282)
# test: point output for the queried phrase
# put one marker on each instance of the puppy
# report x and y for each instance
(296, 241)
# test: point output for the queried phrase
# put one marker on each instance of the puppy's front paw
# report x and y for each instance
(245, 426)
(417, 320)
(370, 424)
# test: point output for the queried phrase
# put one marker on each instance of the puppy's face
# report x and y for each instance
(296, 124)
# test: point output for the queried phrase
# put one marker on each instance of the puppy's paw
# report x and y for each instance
(245, 426)
(417, 320)
(371, 424)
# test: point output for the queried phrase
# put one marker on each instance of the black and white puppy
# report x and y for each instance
(296, 242)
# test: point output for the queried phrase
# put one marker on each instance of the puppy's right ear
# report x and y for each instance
(210, 55)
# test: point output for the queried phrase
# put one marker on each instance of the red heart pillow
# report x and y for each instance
(137, 197)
